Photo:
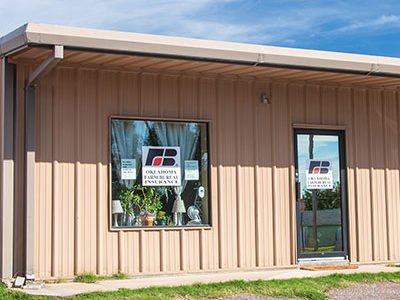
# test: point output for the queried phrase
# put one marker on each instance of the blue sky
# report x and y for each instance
(366, 27)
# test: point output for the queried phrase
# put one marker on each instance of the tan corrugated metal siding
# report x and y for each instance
(252, 170)
(2, 100)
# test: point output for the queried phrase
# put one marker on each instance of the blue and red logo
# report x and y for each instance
(157, 157)
(319, 167)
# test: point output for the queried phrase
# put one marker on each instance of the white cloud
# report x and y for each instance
(382, 20)
(285, 22)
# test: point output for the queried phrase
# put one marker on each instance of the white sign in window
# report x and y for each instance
(191, 170)
(161, 166)
(319, 175)
(128, 169)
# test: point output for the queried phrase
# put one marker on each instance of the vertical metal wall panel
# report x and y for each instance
(361, 151)
(2, 167)
(189, 97)
(129, 93)
(107, 89)
(345, 117)
(298, 103)
(377, 175)
(131, 253)
(168, 97)
(207, 109)
(192, 248)
(128, 104)
(149, 90)
(328, 106)
(43, 243)
(245, 174)
(86, 250)
(172, 251)
(313, 104)
(281, 180)
(23, 72)
(79, 263)
(263, 127)
(227, 161)
(7, 164)
(392, 171)
(151, 246)
(251, 167)
(65, 196)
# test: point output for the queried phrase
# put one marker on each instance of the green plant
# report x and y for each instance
(126, 196)
(148, 198)
(91, 278)
(169, 221)
(305, 288)
(161, 218)
(120, 275)
(86, 278)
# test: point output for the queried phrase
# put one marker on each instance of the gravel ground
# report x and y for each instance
(367, 291)
(253, 297)
(381, 291)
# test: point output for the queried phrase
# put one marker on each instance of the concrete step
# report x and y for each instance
(314, 262)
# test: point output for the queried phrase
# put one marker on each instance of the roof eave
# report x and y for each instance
(113, 41)
(13, 41)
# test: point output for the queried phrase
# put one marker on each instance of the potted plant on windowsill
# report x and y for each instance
(147, 199)
(161, 218)
(125, 197)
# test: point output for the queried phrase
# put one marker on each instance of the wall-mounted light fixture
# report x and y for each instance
(265, 99)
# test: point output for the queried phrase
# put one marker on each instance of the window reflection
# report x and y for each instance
(159, 173)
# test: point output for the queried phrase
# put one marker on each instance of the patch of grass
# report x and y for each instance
(91, 278)
(393, 265)
(120, 275)
(308, 288)
(87, 278)
(57, 280)
(6, 294)
(320, 249)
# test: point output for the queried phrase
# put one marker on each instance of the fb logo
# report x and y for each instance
(157, 157)
(319, 167)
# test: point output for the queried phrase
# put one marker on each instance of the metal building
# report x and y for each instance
(294, 154)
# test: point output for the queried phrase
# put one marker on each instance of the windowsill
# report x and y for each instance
(159, 228)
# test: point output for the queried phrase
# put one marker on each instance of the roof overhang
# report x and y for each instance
(195, 49)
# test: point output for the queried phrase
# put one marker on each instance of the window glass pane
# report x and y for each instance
(159, 173)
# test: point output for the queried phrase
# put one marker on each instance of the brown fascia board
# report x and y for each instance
(33, 34)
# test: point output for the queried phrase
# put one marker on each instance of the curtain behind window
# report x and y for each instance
(184, 135)
(126, 145)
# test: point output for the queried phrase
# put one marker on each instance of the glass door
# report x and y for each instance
(320, 193)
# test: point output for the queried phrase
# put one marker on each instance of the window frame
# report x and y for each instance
(109, 175)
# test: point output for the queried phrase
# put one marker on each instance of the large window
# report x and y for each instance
(159, 173)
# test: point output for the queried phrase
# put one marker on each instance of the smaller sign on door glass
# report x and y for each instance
(319, 174)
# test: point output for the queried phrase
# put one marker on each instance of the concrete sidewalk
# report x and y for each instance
(74, 288)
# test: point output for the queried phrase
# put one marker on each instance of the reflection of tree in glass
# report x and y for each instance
(327, 199)
(151, 139)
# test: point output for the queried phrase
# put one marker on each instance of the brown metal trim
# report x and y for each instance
(319, 126)
(157, 119)
(8, 172)
(30, 178)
